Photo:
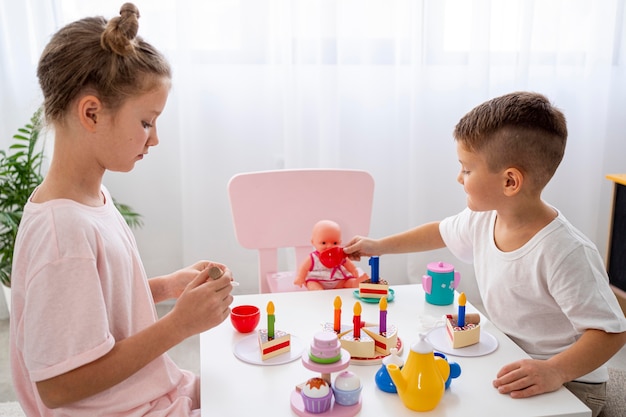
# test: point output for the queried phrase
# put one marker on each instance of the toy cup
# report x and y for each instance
(332, 257)
(245, 318)
(440, 282)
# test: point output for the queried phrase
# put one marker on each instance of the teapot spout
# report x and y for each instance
(396, 376)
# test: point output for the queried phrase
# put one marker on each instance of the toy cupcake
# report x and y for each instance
(316, 395)
(347, 388)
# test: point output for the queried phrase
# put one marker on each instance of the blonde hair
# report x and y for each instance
(106, 58)
(522, 130)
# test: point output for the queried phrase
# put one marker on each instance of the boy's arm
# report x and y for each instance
(421, 238)
(203, 305)
(530, 377)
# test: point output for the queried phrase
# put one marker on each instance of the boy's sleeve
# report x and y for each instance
(456, 234)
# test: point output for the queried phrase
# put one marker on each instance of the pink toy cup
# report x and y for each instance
(245, 318)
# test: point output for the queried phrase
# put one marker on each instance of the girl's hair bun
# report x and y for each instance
(120, 32)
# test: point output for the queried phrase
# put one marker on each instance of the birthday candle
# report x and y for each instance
(382, 326)
(356, 321)
(270, 320)
(462, 301)
(374, 265)
(337, 323)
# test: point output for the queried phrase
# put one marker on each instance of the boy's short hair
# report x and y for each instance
(521, 130)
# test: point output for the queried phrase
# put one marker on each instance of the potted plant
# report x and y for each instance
(20, 172)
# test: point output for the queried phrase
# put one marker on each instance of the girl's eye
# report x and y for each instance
(146, 125)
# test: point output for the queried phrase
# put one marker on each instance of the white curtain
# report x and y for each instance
(368, 84)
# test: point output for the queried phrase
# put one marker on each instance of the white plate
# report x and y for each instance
(247, 350)
(438, 337)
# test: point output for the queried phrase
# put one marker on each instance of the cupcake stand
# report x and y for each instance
(335, 410)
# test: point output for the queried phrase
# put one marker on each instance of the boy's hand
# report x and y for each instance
(360, 246)
(527, 377)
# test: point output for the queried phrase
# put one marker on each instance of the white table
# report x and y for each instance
(231, 387)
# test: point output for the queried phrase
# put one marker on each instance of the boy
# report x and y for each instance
(542, 282)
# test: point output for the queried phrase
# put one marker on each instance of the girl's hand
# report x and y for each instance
(178, 281)
(204, 303)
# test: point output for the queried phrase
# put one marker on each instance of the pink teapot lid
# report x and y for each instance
(440, 267)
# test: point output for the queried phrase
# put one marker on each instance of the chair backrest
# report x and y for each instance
(277, 209)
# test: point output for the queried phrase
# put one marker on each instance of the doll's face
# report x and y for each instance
(325, 236)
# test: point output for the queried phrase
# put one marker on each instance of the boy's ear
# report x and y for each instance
(513, 181)
(89, 112)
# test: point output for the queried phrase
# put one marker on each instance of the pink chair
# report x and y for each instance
(277, 209)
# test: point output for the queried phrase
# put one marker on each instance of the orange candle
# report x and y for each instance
(356, 321)
(337, 322)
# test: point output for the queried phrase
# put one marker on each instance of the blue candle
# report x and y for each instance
(462, 301)
(374, 265)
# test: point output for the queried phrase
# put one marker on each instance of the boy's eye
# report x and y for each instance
(146, 125)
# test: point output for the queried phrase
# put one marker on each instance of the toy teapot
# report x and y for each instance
(440, 282)
(421, 382)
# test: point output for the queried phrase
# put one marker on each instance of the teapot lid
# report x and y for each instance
(440, 267)
(422, 346)
(393, 358)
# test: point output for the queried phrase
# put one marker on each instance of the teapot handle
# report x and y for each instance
(443, 366)
(457, 280)
(427, 283)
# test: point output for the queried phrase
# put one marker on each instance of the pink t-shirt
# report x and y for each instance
(78, 286)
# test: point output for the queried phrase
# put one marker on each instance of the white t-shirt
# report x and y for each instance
(78, 286)
(543, 295)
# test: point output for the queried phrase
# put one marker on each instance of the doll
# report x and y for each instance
(327, 267)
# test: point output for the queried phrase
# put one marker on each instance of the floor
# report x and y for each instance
(186, 355)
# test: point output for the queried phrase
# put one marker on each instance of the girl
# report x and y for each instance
(85, 337)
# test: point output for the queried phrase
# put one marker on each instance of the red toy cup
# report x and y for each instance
(245, 318)
(332, 257)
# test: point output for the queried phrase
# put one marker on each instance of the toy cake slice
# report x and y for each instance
(463, 336)
(279, 344)
(383, 343)
(367, 289)
(363, 347)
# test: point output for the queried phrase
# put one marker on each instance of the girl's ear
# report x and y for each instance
(89, 112)
(513, 180)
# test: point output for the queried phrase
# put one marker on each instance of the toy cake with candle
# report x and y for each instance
(374, 287)
(463, 329)
(272, 342)
(365, 340)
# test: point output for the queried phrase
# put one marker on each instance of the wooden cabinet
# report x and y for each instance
(616, 258)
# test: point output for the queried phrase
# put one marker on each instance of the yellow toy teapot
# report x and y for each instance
(421, 382)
